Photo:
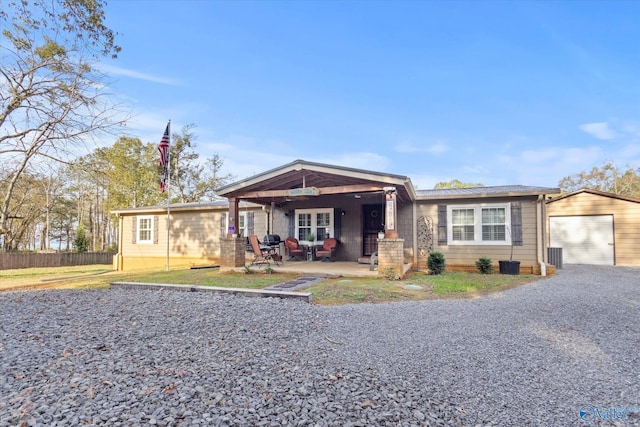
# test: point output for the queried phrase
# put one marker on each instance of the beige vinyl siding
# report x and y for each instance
(194, 239)
(467, 255)
(626, 221)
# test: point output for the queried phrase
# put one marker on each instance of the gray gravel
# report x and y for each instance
(533, 355)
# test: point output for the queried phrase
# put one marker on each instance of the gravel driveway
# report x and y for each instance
(534, 355)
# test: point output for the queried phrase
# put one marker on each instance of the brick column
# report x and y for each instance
(232, 252)
(391, 255)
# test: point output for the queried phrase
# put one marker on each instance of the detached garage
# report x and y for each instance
(594, 227)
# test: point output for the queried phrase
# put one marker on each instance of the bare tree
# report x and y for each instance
(194, 180)
(52, 99)
(608, 178)
(456, 183)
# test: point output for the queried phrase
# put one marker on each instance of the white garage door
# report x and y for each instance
(583, 239)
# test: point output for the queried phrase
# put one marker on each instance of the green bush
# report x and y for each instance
(81, 240)
(436, 263)
(390, 274)
(484, 265)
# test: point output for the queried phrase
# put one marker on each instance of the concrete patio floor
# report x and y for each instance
(338, 268)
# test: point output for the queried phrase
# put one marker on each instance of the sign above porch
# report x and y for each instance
(304, 191)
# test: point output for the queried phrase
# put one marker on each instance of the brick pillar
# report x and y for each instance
(391, 255)
(232, 251)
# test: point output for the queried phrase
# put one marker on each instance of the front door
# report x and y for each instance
(372, 224)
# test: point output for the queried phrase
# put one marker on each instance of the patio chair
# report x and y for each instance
(293, 248)
(328, 249)
(262, 255)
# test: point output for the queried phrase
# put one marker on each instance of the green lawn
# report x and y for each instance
(415, 286)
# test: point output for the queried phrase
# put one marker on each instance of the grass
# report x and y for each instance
(380, 290)
(97, 277)
(415, 286)
(470, 284)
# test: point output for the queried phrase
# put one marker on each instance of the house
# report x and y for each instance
(370, 213)
(594, 227)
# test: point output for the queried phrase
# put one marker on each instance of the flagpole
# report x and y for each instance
(168, 195)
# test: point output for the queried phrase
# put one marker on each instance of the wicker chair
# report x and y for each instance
(293, 248)
(328, 249)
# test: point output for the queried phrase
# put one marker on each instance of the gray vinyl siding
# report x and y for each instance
(469, 254)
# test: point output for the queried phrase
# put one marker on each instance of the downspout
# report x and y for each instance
(541, 214)
(415, 234)
(119, 256)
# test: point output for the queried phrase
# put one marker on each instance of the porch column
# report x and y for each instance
(391, 214)
(391, 256)
(233, 216)
(232, 253)
(232, 249)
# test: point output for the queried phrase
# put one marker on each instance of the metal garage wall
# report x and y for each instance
(583, 239)
(625, 212)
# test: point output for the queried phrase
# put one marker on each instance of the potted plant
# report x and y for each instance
(509, 266)
(311, 238)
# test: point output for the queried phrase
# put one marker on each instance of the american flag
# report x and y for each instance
(163, 148)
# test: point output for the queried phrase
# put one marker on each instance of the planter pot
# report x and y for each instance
(509, 267)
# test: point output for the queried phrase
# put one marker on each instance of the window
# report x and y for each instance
(145, 229)
(241, 229)
(484, 224)
(316, 221)
(463, 224)
(493, 224)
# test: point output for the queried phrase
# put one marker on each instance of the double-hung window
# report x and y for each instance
(145, 229)
(483, 224)
(242, 227)
(316, 221)
(463, 224)
(494, 224)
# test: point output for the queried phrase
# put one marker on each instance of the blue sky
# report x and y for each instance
(495, 92)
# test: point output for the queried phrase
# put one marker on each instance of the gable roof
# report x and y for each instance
(597, 193)
(485, 192)
(274, 185)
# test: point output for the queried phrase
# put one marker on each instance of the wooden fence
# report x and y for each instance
(62, 259)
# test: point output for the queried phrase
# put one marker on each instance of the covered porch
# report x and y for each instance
(366, 212)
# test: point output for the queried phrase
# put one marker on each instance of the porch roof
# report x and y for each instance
(301, 178)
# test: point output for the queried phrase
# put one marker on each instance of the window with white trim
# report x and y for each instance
(145, 229)
(241, 229)
(483, 224)
(316, 221)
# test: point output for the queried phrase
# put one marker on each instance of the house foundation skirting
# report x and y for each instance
(524, 268)
(391, 256)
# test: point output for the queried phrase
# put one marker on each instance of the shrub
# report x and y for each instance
(436, 263)
(269, 270)
(390, 274)
(484, 265)
(248, 270)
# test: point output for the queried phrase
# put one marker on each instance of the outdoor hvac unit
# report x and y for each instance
(554, 255)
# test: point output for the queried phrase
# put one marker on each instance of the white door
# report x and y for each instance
(583, 239)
